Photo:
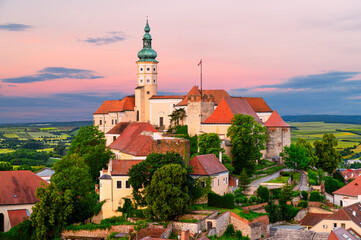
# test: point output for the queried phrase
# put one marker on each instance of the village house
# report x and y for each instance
(17, 196)
(350, 174)
(349, 194)
(207, 111)
(340, 233)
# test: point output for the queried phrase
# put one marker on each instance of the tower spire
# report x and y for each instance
(147, 54)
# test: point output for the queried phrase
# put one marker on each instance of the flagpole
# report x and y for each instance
(201, 80)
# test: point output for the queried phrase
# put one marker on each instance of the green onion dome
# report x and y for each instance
(147, 54)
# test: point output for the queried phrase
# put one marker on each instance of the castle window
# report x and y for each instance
(141, 80)
(148, 69)
(100, 122)
(119, 184)
(161, 123)
(141, 69)
(148, 81)
(153, 69)
(148, 92)
(127, 184)
(154, 81)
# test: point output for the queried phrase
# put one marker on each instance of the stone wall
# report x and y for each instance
(167, 232)
(197, 112)
(180, 146)
(278, 138)
(220, 223)
(101, 233)
(193, 228)
(254, 229)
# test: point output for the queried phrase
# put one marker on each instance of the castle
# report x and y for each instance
(207, 111)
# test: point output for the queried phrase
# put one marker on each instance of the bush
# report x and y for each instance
(302, 204)
(304, 195)
(289, 212)
(332, 184)
(286, 174)
(263, 193)
(312, 182)
(315, 197)
(229, 231)
(253, 199)
(295, 193)
(276, 193)
(226, 201)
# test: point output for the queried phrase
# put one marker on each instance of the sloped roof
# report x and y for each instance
(218, 95)
(351, 213)
(206, 165)
(258, 104)
(18, 187)
(125, 104)
(149, 232)
(132, 142)
(168, 97)
(311, 219)
(119, 128)
(121, 167)
(340, 233)
(227, 108)
(17, 216)
(351, 189)
(275, 120)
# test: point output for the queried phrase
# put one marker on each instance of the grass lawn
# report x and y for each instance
(51, 161)
(240, 212)
(280, 179)
(270, 170)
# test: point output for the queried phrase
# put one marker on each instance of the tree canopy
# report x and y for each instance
(167, 195)
(301, 142)
(209, 143)
(248, 138)
(89, 143)
(328, 157)
(177, 116)
(295, 157)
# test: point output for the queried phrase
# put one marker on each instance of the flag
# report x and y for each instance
(200, 62)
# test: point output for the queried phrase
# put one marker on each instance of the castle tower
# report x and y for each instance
(146, 76)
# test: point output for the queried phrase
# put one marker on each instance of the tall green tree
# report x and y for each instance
(295, 157)
(286, 194)
(243, 181)
(167, 195)
(5, 166)
(328, 157)
(301, 142)
(177, 116)
(89, 143)
(71, 173)
(50, 214)
(248, 138)
(141, 174)
(209, 143)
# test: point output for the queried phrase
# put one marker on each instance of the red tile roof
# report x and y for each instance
(311, 219)
(341, 234)
(125, 104)
(217, 94)
(258, 104)
(232, 181)
(206, 165)
(351, 189)
(168, 97)
(121, 167)
(18, 187)
(227, 108)
(351, 173)
(349, 213)
(275, 120)
(17, 216)
(132, 142)
(119, 128)
(149, 232)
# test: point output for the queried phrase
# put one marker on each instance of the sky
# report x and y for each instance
(59, 60)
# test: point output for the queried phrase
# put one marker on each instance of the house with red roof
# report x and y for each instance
(340, 233)
(208, 165)
(17, 196)
(349, 194)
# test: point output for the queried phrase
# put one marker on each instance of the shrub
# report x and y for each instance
(226, 201)
(252, 199)
(332, 184)
(263, 193)
(295, 193)
(276, 193)
(238, 192)
(304, 195)
(285, 173)
(302, 204)
(289, 212)
(229, 231)
(312, 182)
(315, 196)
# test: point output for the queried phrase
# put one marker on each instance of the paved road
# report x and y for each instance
(257, 182)
(304, 183)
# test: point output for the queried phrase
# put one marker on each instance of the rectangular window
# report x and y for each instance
(116, 121)
(114, 138)
(224, 180)
(212, 183)
(335, 225)
(100, 122)
(343, 225)
(148, 69)
(119, 184)
(218, 181)
(127, 184)
(138, 116)
(112, 121)
(203, 184)
(161, 123)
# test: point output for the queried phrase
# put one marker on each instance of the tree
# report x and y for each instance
(51, 213)
(295, 157)
(71, 173)
(243, 181)
(209, 143)
(301, 142)
(167, 195)
(89, 143)
(141, 174)
(338, 176)
(176, 116)
(5, 166)
(327, 156)
(263, 193)
(286, 194)
(60, 148)
(248, 138)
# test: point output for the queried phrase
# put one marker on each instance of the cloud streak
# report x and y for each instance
(112, 37)
(51, 73)
(15, 27)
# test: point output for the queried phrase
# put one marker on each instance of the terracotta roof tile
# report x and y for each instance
(227, 108)
(258, 104)
(168, 97)
(206, 165)
(150, 232)
(311, 219)
(232, 181)
(132, 142)
(125, 104)
(119, 128)
(18, 187)
(340, 233)
(17, 216)
(217, 94)
(351, 189)
(275, 120)
(339, 215)
(121, 167)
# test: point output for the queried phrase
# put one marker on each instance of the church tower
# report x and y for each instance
(146, 76)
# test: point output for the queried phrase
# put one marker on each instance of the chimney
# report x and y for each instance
(185, 235)
(220, 156)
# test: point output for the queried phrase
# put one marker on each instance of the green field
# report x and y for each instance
(348, 135)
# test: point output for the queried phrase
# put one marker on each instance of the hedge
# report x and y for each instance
(226, 201)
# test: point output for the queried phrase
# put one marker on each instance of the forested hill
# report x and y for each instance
(351, 119)
(48, 124)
